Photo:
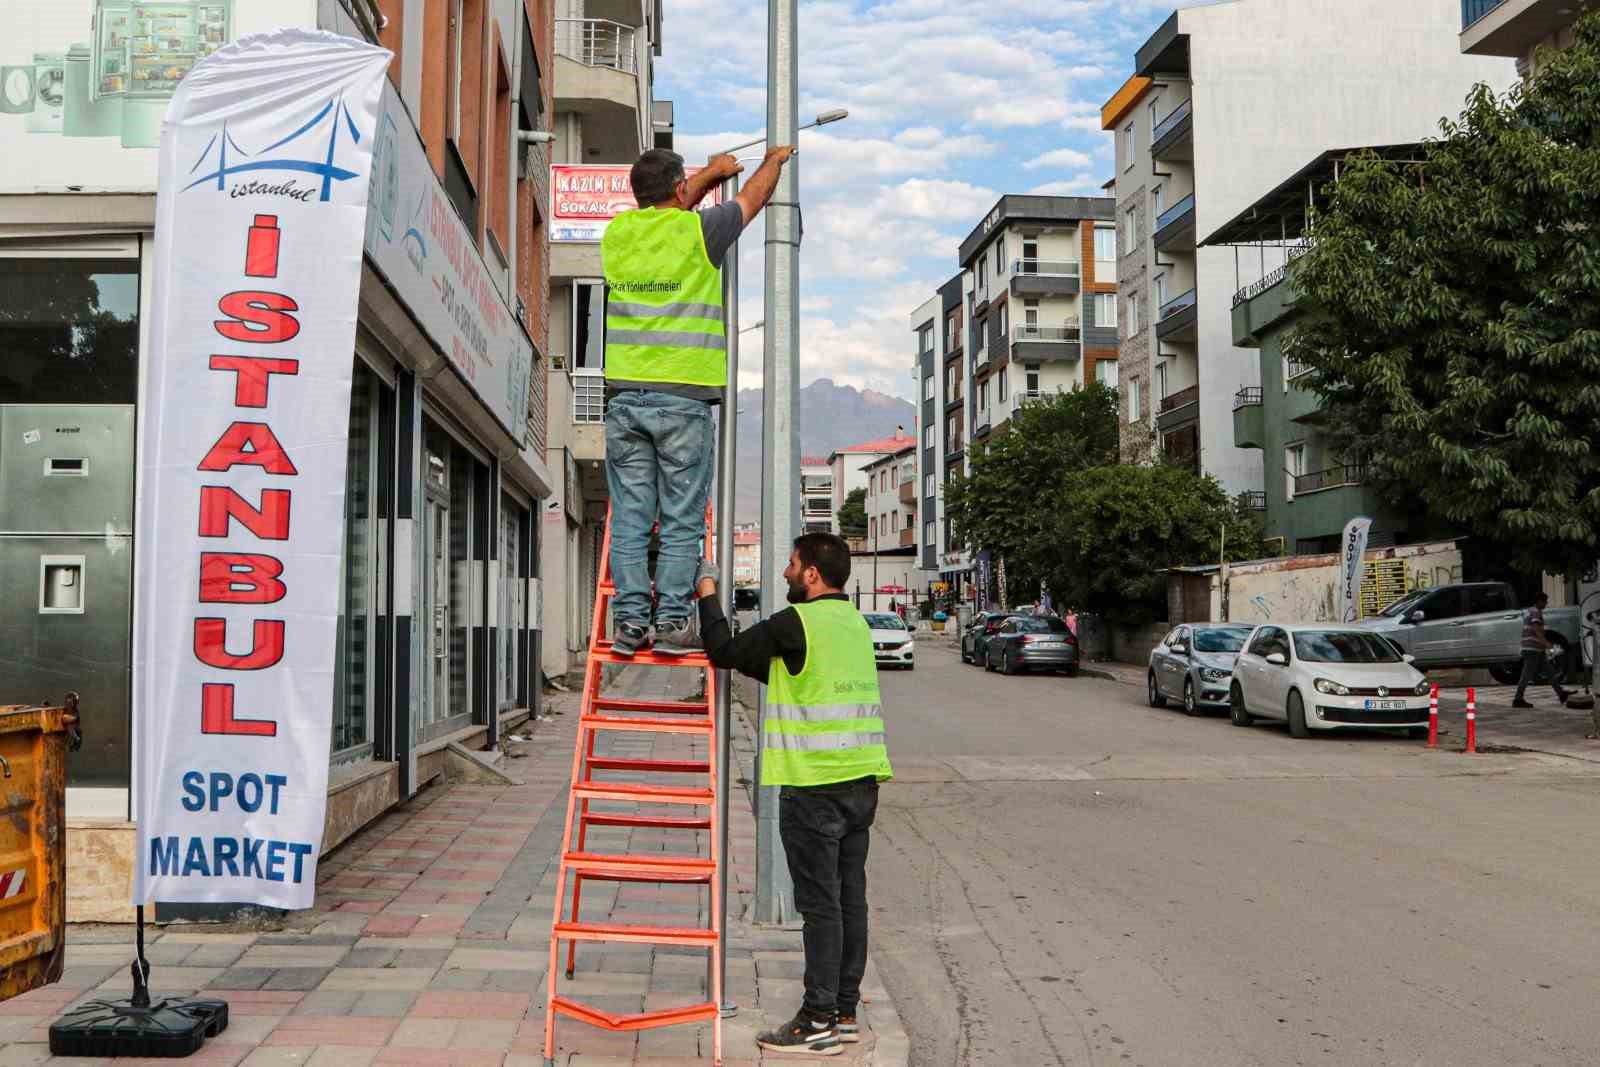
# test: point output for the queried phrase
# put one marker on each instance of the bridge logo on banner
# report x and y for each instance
(243, 440)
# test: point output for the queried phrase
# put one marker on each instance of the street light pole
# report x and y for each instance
(727, 439)
(780, 488)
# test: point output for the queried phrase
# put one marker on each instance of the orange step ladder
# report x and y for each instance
(603, 714)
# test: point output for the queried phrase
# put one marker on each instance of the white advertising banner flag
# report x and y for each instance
(264, 164)
(1354, 548)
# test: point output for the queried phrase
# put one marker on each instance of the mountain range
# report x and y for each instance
(830, 416)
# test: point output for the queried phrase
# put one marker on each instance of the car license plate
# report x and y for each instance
(1049, 644)
(1386, 705)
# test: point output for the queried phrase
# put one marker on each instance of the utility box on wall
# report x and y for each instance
(66, 570)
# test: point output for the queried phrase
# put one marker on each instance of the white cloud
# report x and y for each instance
(1060, 158)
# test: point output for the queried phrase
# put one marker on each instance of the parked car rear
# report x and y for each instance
(1028, 642)
(975, 640)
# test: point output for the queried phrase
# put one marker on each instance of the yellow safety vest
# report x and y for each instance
(663, 300)
(825, 724)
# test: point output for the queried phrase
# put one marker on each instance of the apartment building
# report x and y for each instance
(1305, 507)
(604, 115)
(817, 513)
(1031, 311)
(747, 554)
(847, 466)
(1199, 138)
(1519, 29)
(437, 636)
(891, 502)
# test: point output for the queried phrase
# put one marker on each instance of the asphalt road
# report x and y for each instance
(1062, 875)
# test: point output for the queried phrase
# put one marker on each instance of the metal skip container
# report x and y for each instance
(33, 847)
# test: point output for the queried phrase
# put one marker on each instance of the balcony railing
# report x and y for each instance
(1057, 267)
(588, 396)
(1293, 370)
(1473, 10)
(1174, 401)
(907, 537)
(1253, 500)
(980, 358)
(1255, 289)
(1174, 213)
(1249, 396)
(597, 43)
(1168, 124)
(1070, 331)
(1331, 478)
(1181, 302)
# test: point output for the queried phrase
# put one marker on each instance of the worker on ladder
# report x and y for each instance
(666, 362)
(824, 744)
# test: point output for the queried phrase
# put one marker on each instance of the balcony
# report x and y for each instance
(1178, 409)
(1173, 137)
(908, 538)
(1022, 399)
(1041, 344)
(597, 43)
(1512, 27)
(981, 423)
(597, 75)
(1175, 227)
(1253, 500)
(1261, 305)
(908, 491)
(980, 358)
(1473, 10)
(952, 401)
(1177, 320)
(1249, 418)
(1039, 277)
(1331, 478)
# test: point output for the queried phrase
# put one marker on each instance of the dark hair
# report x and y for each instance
(654, 176)
(828, 553)
(1541, 598)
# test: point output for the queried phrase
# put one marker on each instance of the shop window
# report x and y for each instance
(69, 331)
(450, 605)
(513, 600)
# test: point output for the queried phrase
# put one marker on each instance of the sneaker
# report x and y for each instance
(630, 637)
(849, 1028)
(803, 1034)
(1521, 704)
(677, 637)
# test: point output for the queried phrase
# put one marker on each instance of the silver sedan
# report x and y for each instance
(1194, 664)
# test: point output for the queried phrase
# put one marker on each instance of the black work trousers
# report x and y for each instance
(824, 830)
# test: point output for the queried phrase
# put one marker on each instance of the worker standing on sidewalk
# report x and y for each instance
(824, 746)
(666, 363)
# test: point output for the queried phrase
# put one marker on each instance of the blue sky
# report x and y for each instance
(952, 103)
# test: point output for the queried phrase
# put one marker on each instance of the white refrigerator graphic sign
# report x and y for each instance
(264, 165)
(1353, 547)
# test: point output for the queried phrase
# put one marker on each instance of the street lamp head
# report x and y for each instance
(832, 116)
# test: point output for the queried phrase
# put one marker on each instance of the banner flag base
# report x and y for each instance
(169, 1028)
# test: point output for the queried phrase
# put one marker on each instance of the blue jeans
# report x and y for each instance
(659, 456)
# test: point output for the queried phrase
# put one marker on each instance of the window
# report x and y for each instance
(1158, 202)
(1030, 313)
(894, 522)
(1133, 314)
(1161, 290)
(69, 330)
(983, 274)
(500, 176)
(1482, 599)
(1105, 250)
(1154, 121)
(927, 437)
(1105, 309)
(1001, 387)
(1135, 401)
(1445, 604)
(1030, 255)
(927, 387)
(930, 485)
(1294, 465)
(1000, 255)
(1129, 150)
(1105, 372)
(1161, 380)
(872, 523)
(983, 395)
(927, 532)
(1032, 381)
(1130, 229)
(925, 338)
(1005, 320)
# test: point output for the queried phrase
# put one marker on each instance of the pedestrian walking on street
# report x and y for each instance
(1535, 652)
(824, 746)
(666, 363)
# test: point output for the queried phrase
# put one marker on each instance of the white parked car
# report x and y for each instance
(1327, 677)
(892, 644)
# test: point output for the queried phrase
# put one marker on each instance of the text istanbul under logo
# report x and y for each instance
(231, 160)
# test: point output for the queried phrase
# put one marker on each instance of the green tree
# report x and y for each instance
(1015, 480)
(1115, 530)
(853, 514)
(1452, 317)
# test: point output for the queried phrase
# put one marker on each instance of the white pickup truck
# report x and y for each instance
(1475, 624)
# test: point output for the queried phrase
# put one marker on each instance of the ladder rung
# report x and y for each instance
(652, 868)
(642, 935)
(650, 659)
(645, 726)
(648, 794)
(659, 822)
(659, 707)
(657, 766)
(691, 1013)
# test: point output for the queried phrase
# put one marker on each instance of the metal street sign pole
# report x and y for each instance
(780, 487)
(727, 438)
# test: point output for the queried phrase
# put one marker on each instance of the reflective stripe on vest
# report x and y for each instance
(825, 723)
(664, 313)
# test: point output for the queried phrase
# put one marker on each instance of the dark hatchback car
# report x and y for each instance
(1027, 642)
(975, 638)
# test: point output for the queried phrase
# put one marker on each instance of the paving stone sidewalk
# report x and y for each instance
(429, 944)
